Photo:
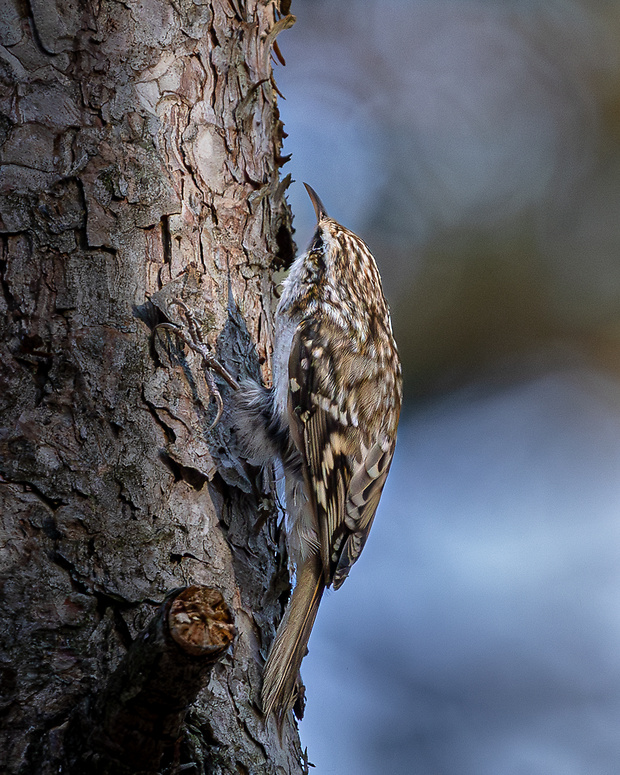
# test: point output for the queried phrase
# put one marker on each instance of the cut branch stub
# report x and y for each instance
(140, 712)
(200, 622)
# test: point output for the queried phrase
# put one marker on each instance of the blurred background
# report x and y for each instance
(475, 145)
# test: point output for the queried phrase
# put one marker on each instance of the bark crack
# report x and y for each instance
(191, 476)
(154, 412)
(166, 239)
(35, 32)
(52, 503)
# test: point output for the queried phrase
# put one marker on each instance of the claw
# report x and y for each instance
(198, 345)
(194, 340)
(215, 392)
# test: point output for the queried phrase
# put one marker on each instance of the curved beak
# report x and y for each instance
(319, 207)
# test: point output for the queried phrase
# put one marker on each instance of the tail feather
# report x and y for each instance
(291, 641)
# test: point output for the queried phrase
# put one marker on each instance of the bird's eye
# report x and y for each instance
(317, 243)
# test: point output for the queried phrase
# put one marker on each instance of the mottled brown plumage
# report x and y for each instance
(331, 419)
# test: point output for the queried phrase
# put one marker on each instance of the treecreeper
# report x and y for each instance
(330, 418)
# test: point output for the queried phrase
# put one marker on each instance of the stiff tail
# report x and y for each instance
(289, 647)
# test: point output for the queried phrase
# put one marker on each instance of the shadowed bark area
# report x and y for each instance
(140, 147)
(138, 716)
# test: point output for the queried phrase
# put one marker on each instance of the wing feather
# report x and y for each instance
(344, 466)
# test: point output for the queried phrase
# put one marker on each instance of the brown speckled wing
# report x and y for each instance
(345, 464)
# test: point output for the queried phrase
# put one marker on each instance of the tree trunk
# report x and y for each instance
(140, 154)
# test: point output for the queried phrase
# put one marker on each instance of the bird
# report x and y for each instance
(330, 419)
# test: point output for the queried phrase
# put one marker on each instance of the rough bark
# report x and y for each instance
(140, 152)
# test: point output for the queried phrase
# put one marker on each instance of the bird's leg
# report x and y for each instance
(193, 338)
